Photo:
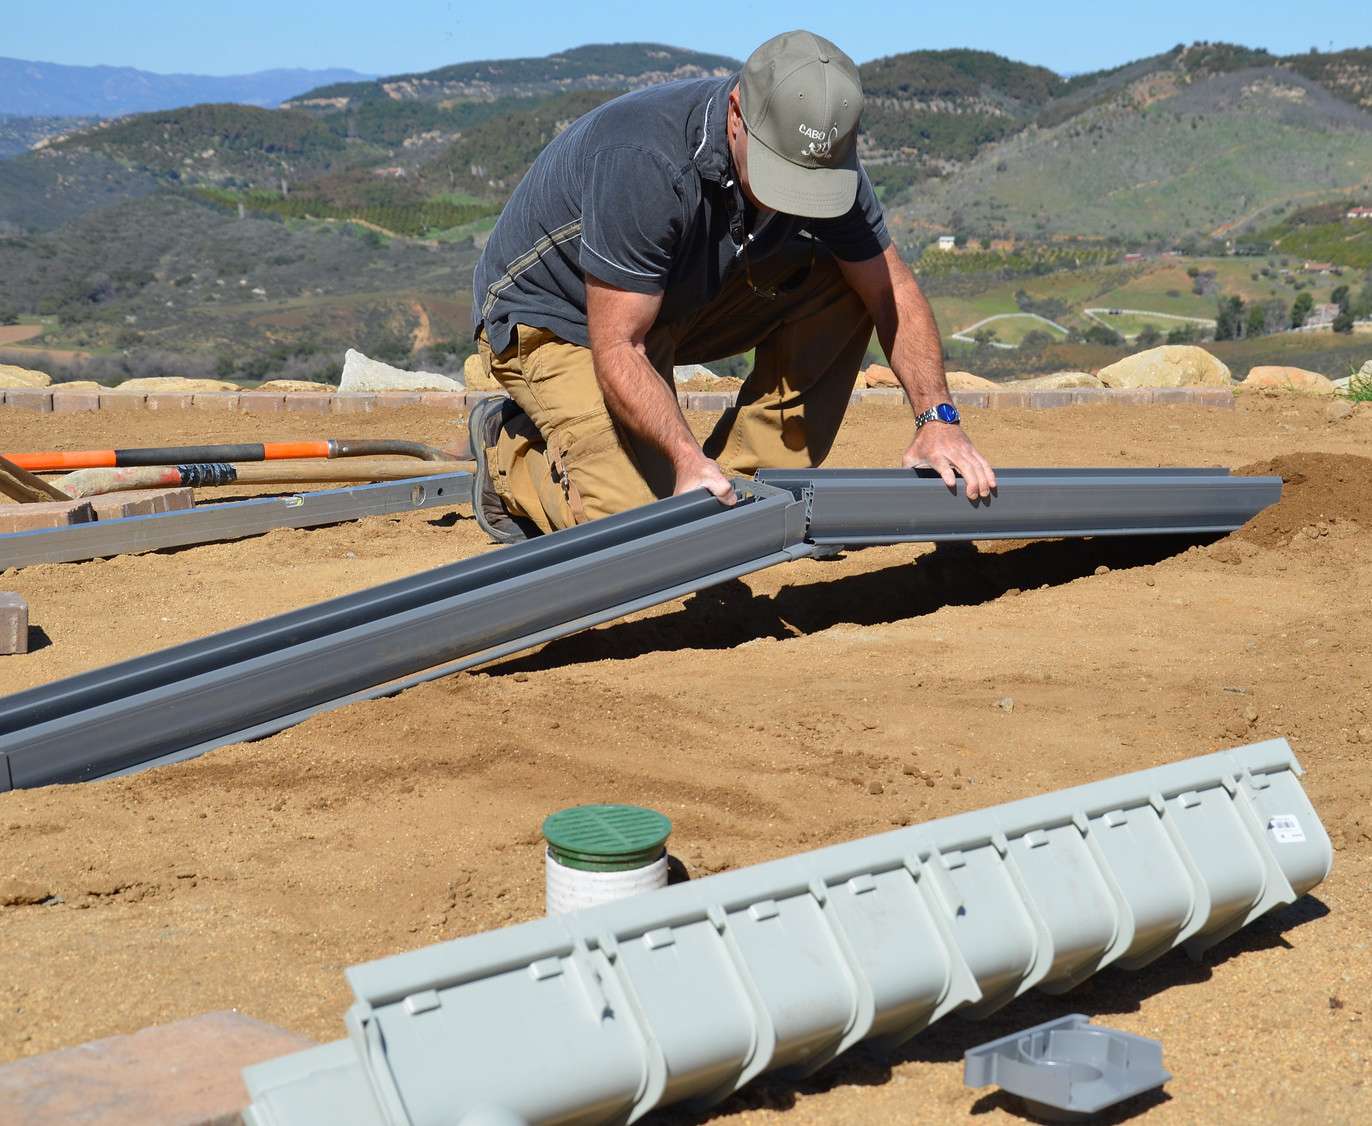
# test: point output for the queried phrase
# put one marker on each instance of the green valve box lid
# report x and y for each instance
(606, 838)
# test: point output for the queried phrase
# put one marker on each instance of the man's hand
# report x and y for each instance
(704, 474)
(945, 448)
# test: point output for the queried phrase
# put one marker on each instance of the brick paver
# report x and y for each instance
(185, 1073)
(45, 514)
(140, 502)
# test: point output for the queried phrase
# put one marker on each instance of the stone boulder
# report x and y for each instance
(79, 385)
(1060, 381)
(1291, 380)
(879, 375)
(159, 383)
(1172, 365)
(476, 376)
(293, 385)
(966, 381)
(11, 375)
(363, 374)
(685, 373)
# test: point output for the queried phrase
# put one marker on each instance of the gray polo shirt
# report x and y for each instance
(634, 193)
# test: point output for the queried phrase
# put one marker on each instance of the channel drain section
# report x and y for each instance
(878, 506)
(231, 520)
(689, 992)
(261, 678)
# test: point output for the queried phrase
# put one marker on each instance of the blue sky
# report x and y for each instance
(413, 35)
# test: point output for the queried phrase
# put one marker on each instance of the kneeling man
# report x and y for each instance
(680, 224)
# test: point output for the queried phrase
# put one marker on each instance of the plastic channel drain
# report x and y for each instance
(687, 993)
(238, 683)
(877, 506)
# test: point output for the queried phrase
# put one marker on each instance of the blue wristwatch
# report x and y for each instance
(944, 412)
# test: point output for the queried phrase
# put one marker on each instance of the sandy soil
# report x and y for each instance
(756, 716)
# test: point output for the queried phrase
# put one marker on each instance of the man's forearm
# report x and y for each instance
(910, 337)
(641, 401)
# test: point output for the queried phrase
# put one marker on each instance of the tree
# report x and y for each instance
(1362, 307)
(1340, 296)
(1300, 308)
(1344, 321)
(1182, 334)
(1148, 337)
(1257, 321)
(1099, 334)
(1229, 319)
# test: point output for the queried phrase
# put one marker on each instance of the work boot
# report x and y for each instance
(485, 423)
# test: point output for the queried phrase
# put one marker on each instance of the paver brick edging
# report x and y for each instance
(313, 402)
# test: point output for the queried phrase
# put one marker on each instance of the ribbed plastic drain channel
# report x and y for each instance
(690, 992)
(258, 679)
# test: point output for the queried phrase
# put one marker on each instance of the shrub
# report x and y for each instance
(1360, 386)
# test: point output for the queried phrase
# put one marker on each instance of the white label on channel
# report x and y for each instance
(1286, 829)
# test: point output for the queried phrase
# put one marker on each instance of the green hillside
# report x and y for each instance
(227, 237)
(595, 66)
(41, 191)
(19, 134)
(1324, 234)
(217, 142)
(490, 158)
(927, 109)
(1346, 74)
(1190, 159)
(166, 276)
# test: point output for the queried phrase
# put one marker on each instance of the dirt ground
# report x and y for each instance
(756, 716)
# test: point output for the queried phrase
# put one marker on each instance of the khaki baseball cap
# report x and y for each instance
(801, 99)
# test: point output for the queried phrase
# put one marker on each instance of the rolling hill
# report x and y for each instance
(1162, 157)
(357, 208)
(596, 66)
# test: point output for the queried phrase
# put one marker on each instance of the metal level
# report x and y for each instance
(878, 506)
(258, 679)
(209, 523)
(688, 993)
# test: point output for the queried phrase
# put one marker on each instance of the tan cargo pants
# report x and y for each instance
(565, 461)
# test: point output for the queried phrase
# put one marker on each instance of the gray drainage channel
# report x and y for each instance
(258, 679)
(232, 520)
(688, 993)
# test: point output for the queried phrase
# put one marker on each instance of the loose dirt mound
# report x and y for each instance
(1317, 489)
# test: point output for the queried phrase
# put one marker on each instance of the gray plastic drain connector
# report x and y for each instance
(1067, 1069)
(687, 993)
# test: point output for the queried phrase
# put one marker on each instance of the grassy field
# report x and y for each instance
(1012, 328)
(1164, 286)
(1131, 324)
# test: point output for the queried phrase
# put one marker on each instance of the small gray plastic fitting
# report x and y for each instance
(1068, 1069)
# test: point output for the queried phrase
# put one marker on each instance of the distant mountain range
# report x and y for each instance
(37, 89)
(153, 224)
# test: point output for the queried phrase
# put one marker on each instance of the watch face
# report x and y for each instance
(947, 412)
